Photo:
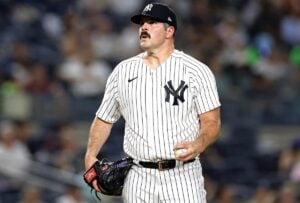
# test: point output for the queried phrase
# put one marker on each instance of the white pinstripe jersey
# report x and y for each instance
(160, 106)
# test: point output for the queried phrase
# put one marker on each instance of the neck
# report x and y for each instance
(154, 58)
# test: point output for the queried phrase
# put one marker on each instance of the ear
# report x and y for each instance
(170, 32)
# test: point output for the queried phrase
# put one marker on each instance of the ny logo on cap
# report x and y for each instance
(148, 7)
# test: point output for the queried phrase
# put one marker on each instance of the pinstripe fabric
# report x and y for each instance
(183, 184)
(160, 107)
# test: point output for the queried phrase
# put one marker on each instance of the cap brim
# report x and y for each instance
(137, 18)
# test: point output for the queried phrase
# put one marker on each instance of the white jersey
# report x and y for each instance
(160, 106)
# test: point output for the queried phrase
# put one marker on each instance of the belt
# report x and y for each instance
(163, 164)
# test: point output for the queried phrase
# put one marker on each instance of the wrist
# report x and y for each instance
(200, 144)
(89, 161)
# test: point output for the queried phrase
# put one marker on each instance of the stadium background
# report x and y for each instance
(55, 56)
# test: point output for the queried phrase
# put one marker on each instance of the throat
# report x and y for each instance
(154, 61)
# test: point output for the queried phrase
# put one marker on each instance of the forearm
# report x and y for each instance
(210, 126)
(209, 133)
(98, 134)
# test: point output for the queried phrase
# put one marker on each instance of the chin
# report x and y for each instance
(143, 46)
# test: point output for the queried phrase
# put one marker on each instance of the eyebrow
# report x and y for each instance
(147, 19)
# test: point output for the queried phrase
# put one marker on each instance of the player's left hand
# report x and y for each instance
(186, 150)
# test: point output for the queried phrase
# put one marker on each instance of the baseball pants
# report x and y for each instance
(183, 184)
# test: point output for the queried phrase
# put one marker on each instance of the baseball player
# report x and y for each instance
(171, 108)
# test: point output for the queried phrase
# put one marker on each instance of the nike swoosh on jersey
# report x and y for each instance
(132, 79)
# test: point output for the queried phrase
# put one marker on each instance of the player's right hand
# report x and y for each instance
(89, 161)
(95, 186)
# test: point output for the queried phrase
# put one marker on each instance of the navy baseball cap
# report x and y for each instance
(159, 12)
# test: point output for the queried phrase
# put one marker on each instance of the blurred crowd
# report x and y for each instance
(55, 57)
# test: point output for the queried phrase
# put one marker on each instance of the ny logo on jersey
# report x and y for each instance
(177, 94)
(148, 8)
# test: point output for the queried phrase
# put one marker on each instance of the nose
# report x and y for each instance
(144, 25)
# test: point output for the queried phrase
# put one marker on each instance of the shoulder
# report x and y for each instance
(130, 61)
(191, 63)
(125, 65)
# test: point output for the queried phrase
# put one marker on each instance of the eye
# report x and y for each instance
(149, 21)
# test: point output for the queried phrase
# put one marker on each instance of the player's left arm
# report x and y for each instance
(210, 124)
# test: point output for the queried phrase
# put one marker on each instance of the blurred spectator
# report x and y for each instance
(263, 194)
(31, 137)
(21, 63)
(287, 194)
(23, 130)
(69, 45)
(288, 163)
(15, 163)
(15, 103)
(285, 163)
(290, 24)
(128, 45)
(273, 67)
(295, 169)
(230, 32)
(104, 38)
(264, 42)
(266, 20)
(123, 10)
(39, 81)
(31, 194)
(68, 153)
(14, 155)
(52, 25)
(85, 75)
(295, 174)
(24, 13)
(97, 5)
(210, 187)
(72, 195)
(225, 194)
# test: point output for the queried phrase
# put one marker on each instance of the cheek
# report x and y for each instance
(159, 36)
(161, 33)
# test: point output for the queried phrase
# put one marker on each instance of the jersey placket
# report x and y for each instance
(156, 118)
(149, 108)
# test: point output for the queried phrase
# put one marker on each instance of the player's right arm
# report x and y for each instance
(106, 115)
(98, 134)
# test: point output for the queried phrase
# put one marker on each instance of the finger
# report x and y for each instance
(182, 145)
(183, 158)
(186, 155)
(180, 152)
(95, 186)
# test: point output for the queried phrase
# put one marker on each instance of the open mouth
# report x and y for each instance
(144, 35)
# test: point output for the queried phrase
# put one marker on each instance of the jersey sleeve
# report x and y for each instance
(109, 110)
(206, 94)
